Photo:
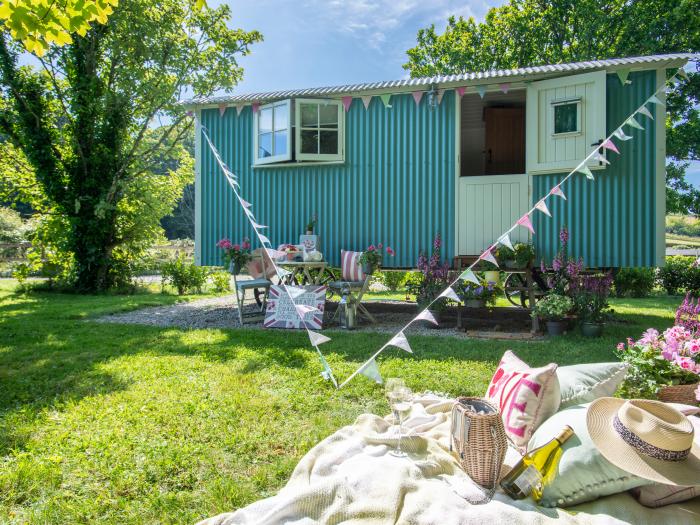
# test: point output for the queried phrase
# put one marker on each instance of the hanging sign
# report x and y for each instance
(282, 312)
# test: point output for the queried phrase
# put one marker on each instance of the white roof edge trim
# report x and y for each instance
(395, 86)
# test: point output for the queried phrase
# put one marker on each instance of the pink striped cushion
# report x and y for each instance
(350, 270)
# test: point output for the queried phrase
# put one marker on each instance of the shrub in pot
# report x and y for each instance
(477, 295)
(553, 308)
(590, 293)
(430, 281)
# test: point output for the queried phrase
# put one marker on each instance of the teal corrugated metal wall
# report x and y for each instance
(396, 186)
(612, 220)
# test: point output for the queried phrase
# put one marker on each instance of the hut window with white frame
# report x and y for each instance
(273, 134)
(319, 130)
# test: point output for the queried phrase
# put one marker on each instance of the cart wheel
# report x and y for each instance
(514, 289)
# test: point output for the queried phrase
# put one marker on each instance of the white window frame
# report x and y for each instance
(274, 158)
(563, 102)
(323, 157)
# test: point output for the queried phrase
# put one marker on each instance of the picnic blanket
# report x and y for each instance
(351, 478)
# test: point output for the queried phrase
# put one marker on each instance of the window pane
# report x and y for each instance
(265, 120)
(281, 117)
(565, 118)
(329, 116)
(281, 142)
(264, 145)
(309, 115)
(309, 141)
(329, 142)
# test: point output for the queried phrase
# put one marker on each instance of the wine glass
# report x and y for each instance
(400, 400)
(392, 385)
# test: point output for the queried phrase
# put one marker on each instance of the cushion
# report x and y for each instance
(350, 267)
(585, 383)
(525, 396)
(583, 474)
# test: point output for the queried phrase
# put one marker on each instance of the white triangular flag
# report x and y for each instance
(655, 100)
(586, 171)
(371, 370)
(644, 111)
(620, 134)
(263, 239)
(542, 206)
(244, 202)
(249, 213)
(440, 94)
(488, 256)
(239, 108)
(426, 315)
(633, 122)
(366, 100)
(303, 309)
(400, 341)
(468, 275)
(505, 241)
(275, 254)
(450, 294)
(282, 273)
(317, 339)
(258, 226)
(556, 190)
(601, 158)
(295, 291)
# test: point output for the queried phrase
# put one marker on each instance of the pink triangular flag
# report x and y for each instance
(609, 144)
(556, 190)
(542, 206)
(440, 94)
(504, 87)
(450, 294)
(488, 256)
(255, 106)
(244, 202)
(366, 100)
(317, 339)
(239, 108)
(346, 103)
(426, 315)
(460, 91)
(222, 109)
(417, 96)
(525, 222)
(400, 341)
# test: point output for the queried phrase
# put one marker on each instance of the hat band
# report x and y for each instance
(642, 446)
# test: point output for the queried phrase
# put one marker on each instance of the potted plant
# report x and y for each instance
(664, 366)
(371, 258)
(590, 295)
(477, 295)
(505, 256)
(235, 256)
(311, 224)
(432, 279)
(553, 308)
(523, 255)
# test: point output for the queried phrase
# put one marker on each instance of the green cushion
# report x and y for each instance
(586, 383)
(583, 474)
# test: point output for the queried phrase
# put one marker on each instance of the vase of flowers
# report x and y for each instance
(553, 309)
(590, 294)
(432, 279)
(663, 365)
(477, 295)
(235, 256)
(371, 259)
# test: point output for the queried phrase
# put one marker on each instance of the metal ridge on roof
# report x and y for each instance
(352, 89)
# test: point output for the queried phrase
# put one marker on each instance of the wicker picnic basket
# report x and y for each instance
(478, 437)
(684, 394)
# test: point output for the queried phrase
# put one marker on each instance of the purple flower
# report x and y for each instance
(556, 264)
(543, 268)
(564, 236)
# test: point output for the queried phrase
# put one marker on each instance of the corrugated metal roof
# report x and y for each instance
(445, 80)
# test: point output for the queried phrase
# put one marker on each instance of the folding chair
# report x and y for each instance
(354, 281)
(260, 284)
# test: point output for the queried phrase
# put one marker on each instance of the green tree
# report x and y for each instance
(534, 32)
(88, 122)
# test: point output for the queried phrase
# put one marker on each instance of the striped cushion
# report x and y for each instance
(349, 267)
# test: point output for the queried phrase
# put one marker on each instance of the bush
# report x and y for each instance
(676, 276)
(634, 282)
(393, 279)
(185, 277)
(221, 281)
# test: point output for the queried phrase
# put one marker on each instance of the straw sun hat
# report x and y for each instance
(646, 438)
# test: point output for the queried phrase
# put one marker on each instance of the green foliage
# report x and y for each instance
(676, 275)
(634, 282)
(532, 32)
(393, 279)
(683, 225)
(185, 277)
(13, 229)
(553, 307)
(221, 281)
(85, 126)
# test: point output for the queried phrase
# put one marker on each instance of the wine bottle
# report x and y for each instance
(535, 469)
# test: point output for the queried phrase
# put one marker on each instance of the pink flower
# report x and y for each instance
(236, 247)
(224, 243)
(390, 251)
(692, 347)
(686, 363)
(246, 244)
(371, 248)
(380, 246)
(620, 346)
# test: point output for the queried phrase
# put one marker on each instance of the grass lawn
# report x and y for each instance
(116, 424)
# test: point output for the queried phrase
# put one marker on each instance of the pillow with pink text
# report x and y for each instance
(525, 396)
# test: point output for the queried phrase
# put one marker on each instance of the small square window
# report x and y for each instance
(566, 117)
(272, 128)
(319, 130)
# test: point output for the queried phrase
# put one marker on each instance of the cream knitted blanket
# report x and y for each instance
(351, 478)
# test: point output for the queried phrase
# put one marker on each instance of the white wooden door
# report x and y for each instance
(486, 207)
(564, 116)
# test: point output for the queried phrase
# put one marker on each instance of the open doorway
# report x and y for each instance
(493, 134)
